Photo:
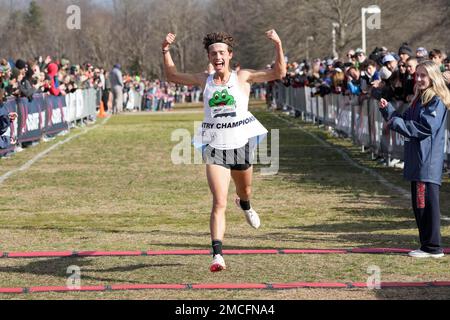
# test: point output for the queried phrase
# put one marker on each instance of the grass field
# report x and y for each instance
(115, 188)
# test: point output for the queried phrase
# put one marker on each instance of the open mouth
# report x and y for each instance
(219, 64)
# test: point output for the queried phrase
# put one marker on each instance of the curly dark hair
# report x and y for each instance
(217, 37)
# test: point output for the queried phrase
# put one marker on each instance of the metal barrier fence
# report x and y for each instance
(355, 117)
(46, 115)
(81, 104)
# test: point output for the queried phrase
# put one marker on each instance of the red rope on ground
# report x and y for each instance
(82, 254)
(225, 286)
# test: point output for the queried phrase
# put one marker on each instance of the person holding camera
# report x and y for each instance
(423, 126)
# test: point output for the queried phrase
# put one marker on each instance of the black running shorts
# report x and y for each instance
(234, 159)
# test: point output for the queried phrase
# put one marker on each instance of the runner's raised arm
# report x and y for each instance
(170, 69)
(279, 70)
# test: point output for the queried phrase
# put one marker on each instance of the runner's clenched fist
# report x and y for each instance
(170, 39)
(272, 35)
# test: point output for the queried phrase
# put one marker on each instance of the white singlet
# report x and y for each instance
(227, 123)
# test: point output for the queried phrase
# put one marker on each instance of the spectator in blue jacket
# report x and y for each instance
(371, 73)
(354, 81)
(423, 126)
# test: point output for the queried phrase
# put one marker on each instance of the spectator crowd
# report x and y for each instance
(381, 74)
(23, 79)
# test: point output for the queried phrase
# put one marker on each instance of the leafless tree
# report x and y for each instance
(131, 31)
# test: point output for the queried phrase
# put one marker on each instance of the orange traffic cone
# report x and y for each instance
(102, 113)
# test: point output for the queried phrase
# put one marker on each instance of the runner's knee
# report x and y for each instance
(219, 204)
(246, 191)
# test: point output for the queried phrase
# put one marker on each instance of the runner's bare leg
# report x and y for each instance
(219, 179)
(243, 181)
